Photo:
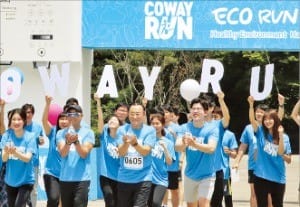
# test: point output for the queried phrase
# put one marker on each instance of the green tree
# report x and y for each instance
(177, 66)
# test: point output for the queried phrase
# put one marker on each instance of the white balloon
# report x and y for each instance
(190, 89)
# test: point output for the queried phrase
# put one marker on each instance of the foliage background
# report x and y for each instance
(177, 66)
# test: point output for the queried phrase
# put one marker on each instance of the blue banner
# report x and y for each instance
(201, 25)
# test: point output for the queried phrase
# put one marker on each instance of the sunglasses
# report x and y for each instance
(73, 114)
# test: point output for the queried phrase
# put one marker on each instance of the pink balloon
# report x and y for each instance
(54, 111)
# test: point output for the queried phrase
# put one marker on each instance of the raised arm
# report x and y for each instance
(280, 106)
(46, 124)
(100, 113)
(252, 120)
(224, 108)
(295, 113)
(281, 142)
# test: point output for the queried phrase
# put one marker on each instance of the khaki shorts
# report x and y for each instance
(193, 190)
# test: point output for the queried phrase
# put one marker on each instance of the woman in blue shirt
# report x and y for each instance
(163, 154)
(109, 156)
(272, 144)
(53, 162)
(3, 197)
(18, 147)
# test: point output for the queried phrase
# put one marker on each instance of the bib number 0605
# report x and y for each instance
(133, 160)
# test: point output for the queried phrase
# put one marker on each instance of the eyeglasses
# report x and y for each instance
(73, 114)
(122, 110)
(197, 109)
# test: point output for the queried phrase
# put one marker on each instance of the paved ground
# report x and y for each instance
(241, 190)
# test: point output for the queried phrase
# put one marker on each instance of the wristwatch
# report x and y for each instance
(68, 143)
(76, 142)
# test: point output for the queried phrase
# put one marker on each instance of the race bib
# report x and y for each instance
(133, 162)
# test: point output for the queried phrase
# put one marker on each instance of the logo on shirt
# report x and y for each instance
(113, 151)
(157, 151)
(270, 148)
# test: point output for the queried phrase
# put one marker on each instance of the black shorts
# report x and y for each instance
(251, 176)
(174, 178)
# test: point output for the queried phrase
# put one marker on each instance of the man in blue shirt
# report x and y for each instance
(135, 141)
(199, 140)
(75, 144)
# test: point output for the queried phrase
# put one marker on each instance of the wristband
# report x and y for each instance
(135, 144)
(76, 142)
(68, 143)
(281, 106)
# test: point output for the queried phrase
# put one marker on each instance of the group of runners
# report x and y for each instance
(146, 155)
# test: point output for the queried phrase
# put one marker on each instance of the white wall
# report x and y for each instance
(32, 90)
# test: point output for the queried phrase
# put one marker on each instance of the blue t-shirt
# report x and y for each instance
(172, 132)
(18, 172)
(109, 155)
(270, 165)
(159, 165)
(134, 167)
(200, 165)
(53, 162)
(248, 137)
(38, 131)
(84, 124)
(74, 167)
(229, 141)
